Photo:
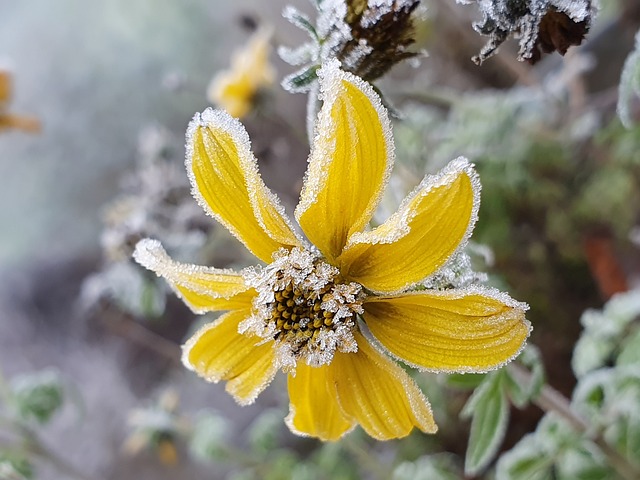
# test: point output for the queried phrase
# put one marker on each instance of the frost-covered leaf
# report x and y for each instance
(554, 435)
(554, 450)
(37, 396)
(129, 287)
(525, 461)
(522, 394)
(428, 467)
(300, 20)
(15, 467)
(302, 80)
(590, 353)
(604, 331)
(305, 53)
(629, 85)
(465, 380)
(489, 408)
(263, 432)
(630, 352)
(209, 437)
(589, 394)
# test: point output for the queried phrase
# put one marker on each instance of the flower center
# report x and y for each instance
(304, 308)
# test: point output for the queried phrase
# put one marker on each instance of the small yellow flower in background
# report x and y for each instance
(10, 120)
(234, 90)
(333, 314)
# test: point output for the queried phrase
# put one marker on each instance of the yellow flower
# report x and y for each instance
(235, 89)
(331, 315)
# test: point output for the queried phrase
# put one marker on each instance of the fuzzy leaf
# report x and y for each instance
(428, 467)
(37, 396)
(490, 411)
(630, 352)
(465, 381)
(300, 20)
(524, 462)
(13, 466)
(301, 80)
(519, 394)
(629, 85)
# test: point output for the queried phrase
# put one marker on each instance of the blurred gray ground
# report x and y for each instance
(95, 74)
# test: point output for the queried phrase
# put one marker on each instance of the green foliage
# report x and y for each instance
(607, 396)
(629, 84)
(611, 331)
(428, 467)
(15, 467)
(489, 409)
(37, 396)
(554, 450)
(209, 437)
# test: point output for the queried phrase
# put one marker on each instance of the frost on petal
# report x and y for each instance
(314, 409)
(432, 224)
(203, 289)
(218, 352)
(226, 183)
(350, 161)
(378, 394)
(299, 306)
(473, 329)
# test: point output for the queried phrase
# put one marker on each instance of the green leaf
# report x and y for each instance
(489, 409)
(630, 352)
(37, 396)
(521, 394)
(209, 438)
(525, 461)
(263, 432)
(629, 84)
(300, 20)
(15, 467)
(301, 80)
(465, 381)
(428, 467)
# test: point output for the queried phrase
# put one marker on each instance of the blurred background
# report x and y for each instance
(114, 85)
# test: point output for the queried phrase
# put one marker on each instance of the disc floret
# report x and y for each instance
(303, 306)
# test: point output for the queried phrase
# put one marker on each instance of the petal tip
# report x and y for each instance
(148, 253)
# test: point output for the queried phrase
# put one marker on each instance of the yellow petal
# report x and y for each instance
(379, 394)
(471, 330)
(226, 183)
(350, 162)
(218, 352)
(314, 409)
(203, 289)
(431, 224)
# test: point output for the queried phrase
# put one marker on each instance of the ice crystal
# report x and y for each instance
(456, 273)
(303, 307)
(543, 26)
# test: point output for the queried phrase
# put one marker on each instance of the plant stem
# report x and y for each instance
(550, 400)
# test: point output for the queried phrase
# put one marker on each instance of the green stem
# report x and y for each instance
(551, 400)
